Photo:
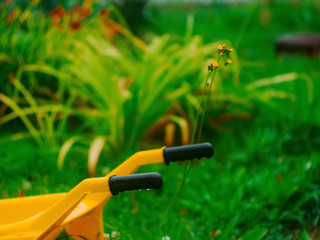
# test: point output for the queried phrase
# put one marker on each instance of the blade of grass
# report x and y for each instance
(9, 102)
(94, 153)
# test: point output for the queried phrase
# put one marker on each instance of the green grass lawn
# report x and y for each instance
(262, 183)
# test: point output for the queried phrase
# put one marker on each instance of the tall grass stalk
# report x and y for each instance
(205, 96)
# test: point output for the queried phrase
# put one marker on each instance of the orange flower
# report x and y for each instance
(57, 14)
(109, 27)
(104, 13)
(12, 16)
(87, 4)
(80, 13)
(75, 26)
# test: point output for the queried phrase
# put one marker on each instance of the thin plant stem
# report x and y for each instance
(188, 164)
(199, 109)
(205, 106)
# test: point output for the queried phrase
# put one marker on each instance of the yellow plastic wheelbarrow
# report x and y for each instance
(79, 211)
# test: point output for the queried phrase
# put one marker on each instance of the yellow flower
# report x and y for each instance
(231, 50)
(220, 47)
(223, 45)
(214, 64)
(221, 53)
(227, 62)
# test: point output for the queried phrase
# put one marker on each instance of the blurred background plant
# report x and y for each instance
(78, 86)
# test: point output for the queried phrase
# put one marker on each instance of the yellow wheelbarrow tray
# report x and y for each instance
(79, 212)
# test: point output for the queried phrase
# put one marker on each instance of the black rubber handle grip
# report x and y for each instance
(134, 182)
(187, 152)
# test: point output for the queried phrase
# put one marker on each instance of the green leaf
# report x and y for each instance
(305, 236)
(65, 149)
(255, 234)
(226, 232)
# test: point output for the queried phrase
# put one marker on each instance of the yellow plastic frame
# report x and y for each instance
(79, 211)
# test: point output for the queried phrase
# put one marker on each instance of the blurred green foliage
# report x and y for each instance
(70, 86)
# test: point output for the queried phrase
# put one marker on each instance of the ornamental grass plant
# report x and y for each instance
(95, 84)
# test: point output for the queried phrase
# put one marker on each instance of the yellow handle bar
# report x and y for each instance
(79, 211)
(163, 155)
